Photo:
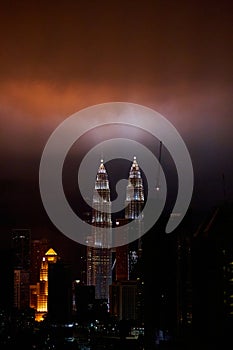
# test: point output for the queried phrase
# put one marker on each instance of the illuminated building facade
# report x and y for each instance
(126, 256)
(127, 292)
(99, 258)
(134, 204)
(50, 257)
(134, 194)
(38, 249)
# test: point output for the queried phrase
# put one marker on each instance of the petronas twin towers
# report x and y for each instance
(99, 258)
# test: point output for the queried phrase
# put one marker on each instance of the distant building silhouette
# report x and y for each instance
(123, 296)
(122, 255)
(21, 244)
(212, 256)
(59, 292)
(84, 297)
(7, 279)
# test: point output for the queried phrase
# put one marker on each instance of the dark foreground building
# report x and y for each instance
(212, 256)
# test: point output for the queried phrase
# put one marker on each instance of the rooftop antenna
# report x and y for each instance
(102, 155)
(158, 174)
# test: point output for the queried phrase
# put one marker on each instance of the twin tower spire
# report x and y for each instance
(134, 201)
(99, 258)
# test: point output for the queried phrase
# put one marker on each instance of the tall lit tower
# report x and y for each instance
(127, 292)
(99, 258)
(50, 257)
(134, 193)
(127, 258)
(134, 204)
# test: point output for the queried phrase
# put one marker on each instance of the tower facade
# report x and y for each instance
(50, 257)
(127, 292)
(127, 255)
(134, 204)
(134, 194)
(99, 258)
(38, 249)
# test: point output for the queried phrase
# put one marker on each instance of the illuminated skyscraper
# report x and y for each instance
(127, 255)
(134, 211)
(42, 286)
(127, 292)
(38, 249)
(134, 204)
(134, 194)
(99, 258)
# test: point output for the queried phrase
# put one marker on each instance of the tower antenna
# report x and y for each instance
(158, 175)
(102, 155)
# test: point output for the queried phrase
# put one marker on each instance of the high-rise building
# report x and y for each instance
(122, 255)
(21, 289)
(134, 194)
(7, 279)
(60, 292)
(184, 292)
(84, 300)
(99, 256)
(21, 239)
(38, 249)
(134, 204)
(50, 257)
(127, 255)
(127, 292)
(212, 277)
(123, 296)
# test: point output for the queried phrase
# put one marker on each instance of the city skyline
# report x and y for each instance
(60, 58)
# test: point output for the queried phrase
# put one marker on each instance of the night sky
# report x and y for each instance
(58, 57)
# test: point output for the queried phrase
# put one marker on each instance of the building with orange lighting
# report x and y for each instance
(50, 257)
